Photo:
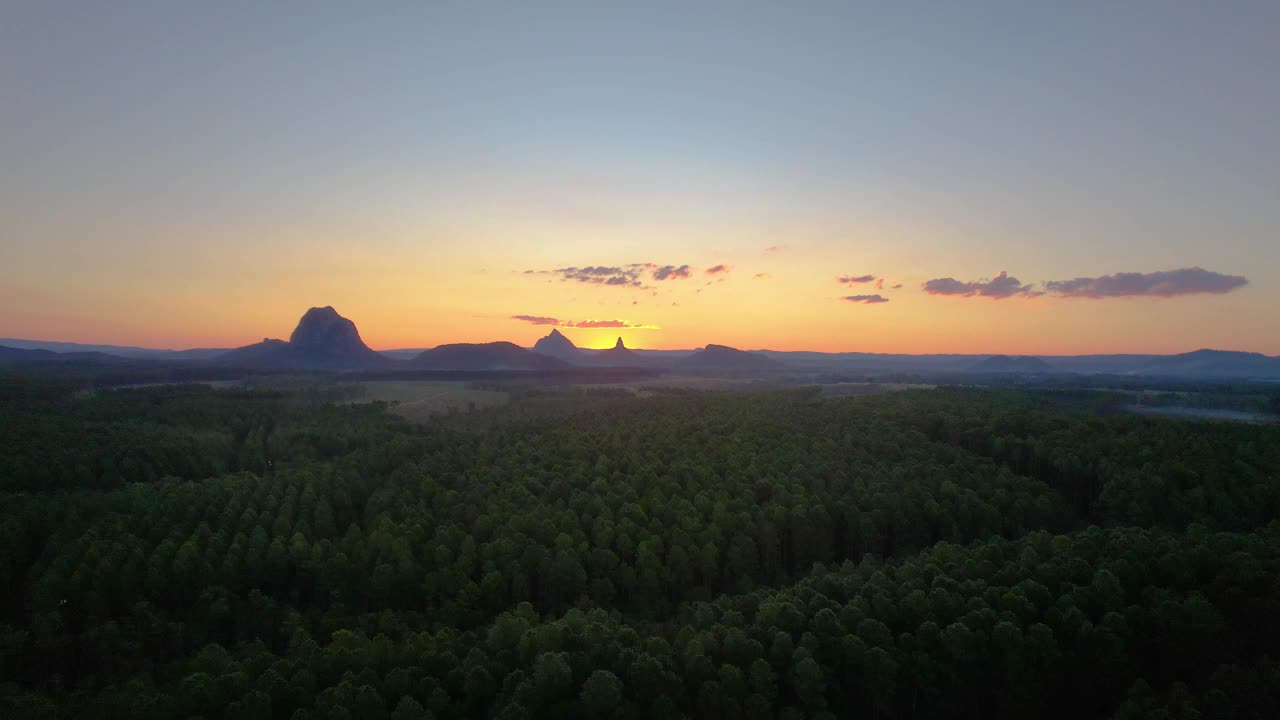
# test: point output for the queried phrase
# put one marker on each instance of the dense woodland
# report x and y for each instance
(181, 551)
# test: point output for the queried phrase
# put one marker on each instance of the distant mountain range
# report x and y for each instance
(124, 351)
(324, 340)
(1210, 364)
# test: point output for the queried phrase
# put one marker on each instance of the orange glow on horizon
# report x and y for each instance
(411, 296)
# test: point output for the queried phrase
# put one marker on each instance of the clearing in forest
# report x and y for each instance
(420, 399)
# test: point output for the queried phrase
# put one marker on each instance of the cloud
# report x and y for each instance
(1167, 283)
(1163, 284)
(615, 276)
(541, 320)
(631, 275)
(850, 280)
(671, 272)
(718, 269)
(536, 319)
(896, 287)
(867, 299)
(879, 283)
(997, 288)
(774, 249)
(606, 324)
(761, 276)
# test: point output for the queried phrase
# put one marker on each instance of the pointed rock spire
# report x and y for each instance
(556, 344)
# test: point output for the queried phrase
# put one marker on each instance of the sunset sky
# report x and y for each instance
(1021, 177)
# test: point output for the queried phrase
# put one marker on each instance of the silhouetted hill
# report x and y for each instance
(323, 340)
(21, 355)
(268, 353)
(558, 346)
(124, 351)
(1004, 364)
(1214, 363)
(12, 356)
(485, 356)
(721, 358)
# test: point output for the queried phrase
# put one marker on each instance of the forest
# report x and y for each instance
(184, 551)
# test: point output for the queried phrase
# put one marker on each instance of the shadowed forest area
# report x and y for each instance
(190, 552)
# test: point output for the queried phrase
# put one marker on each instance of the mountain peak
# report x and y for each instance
(326, 311)
(322, 328)
(556, 344)
(619, 346)
(322, 340)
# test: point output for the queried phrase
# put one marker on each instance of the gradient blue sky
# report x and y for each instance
(198, 174)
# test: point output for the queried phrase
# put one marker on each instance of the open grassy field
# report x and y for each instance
(419, 400)
(853, 389)
(644, 388)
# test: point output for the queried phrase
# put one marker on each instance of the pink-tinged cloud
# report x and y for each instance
(879, 283)
(717, 269)
(671, 272)
(761, 276)
(867, 299)
(584, 324)
(851, 280)
(775, 249)
(1164, 284)
(606, 324)
(997, 288)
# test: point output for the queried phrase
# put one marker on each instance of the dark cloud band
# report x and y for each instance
(632, 275)
(1161, 284)
(1167, 283)
(997, 288)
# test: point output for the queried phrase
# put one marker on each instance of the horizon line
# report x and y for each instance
(421, 348)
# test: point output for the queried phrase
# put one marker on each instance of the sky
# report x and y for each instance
(1015, 177)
